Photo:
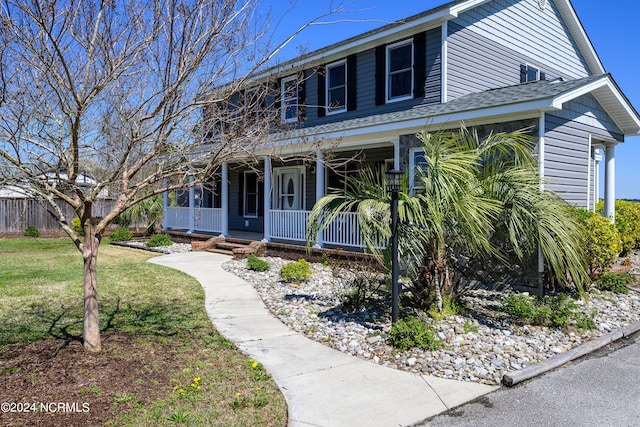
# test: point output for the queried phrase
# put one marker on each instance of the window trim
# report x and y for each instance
(532, 67)
(248, 174)
(284, 98)
(336, 64)
(389, 48)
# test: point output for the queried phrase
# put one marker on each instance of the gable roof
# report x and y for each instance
(430, 19)
(528, 98)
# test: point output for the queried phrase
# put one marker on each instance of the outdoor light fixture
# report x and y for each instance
(394, 181)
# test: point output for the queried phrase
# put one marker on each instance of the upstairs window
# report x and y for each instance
(336, 95)
(529, 73)
(400, 71)
(289, 99)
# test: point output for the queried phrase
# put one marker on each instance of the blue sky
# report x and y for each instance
(612, 27)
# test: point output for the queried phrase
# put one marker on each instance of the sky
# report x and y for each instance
(612, 27)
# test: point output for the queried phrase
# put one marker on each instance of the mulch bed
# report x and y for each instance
(92, 387)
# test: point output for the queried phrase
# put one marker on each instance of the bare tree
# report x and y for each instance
(121, 85)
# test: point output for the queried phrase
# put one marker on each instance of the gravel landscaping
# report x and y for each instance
(480, 346)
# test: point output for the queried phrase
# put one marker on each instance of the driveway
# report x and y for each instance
(602, 389)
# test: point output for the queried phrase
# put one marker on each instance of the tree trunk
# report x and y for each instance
(91, 331)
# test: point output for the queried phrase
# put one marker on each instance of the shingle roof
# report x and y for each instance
(526, 92)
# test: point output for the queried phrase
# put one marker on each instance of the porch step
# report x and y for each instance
(220, 251)
(231, 246)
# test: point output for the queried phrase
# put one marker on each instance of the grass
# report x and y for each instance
(41, 297)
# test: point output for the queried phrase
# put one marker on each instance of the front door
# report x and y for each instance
(290, 196)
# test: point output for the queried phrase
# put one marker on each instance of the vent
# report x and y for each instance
(542, 4)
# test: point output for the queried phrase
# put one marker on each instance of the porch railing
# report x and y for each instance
(205, 219)
(292, 225)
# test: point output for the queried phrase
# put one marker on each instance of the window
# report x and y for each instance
(336, 96)
(400, 71)
(529, 73)
(250, 195)
(417, 168)
(289, 97)
(251, 106)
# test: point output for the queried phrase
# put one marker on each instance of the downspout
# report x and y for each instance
(541, 133)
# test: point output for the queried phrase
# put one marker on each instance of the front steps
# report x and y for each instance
(238, 248)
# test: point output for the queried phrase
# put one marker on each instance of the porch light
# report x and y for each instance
(394, 180)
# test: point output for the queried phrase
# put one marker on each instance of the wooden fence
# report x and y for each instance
(19, 213)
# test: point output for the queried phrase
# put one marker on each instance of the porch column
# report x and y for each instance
(610, 182)
(267, 199)
(598, 158)
(320, 187)
(541, 132)
(192, 205)
(165, 205)
(396, 154)
(224, 195)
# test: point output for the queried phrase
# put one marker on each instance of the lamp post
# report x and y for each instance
(394, 180)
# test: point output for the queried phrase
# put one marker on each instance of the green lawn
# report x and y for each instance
(41, 299)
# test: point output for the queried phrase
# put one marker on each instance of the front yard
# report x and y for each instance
(163, 363)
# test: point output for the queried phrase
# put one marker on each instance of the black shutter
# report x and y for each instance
(523, 73)
(277, 100)
(241, 194)
(543, 76)
(322, 83)
(352, 88)
(302, 97)
(261, 198)
(381, 70)
(419, 64)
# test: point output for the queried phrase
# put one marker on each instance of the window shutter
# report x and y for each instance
(278, 95)
(381, 70)
(322, 87)
(523, 73)
(241, 194)
(543, 76)
(261, 198)
(352, 88)
(419, 64)
(302, 97)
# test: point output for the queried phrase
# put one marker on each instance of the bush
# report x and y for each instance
(411, 333)
(361, 291)
(31, 231)
(555, 311)
(601, 240)
(256, 264)
(77, 226)
(298, 271)
(121, 234)
(159, 240)
(451, 306)
(615, 282)
(628, 224)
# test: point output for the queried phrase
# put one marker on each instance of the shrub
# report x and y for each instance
(298, 271)
(31, 231)
(628, 224)
(256, 264)
(451, 306)
(601, 240)
(121, 234)
(411, 333)
(544, 311)
(77, 226)
(361, 291)
(615, 282)
(159, 240)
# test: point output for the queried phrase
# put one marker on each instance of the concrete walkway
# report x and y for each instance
(323, 387)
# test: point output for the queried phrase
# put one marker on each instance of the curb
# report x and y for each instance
(512, 378)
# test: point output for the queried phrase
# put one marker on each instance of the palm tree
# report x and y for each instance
(474, 189)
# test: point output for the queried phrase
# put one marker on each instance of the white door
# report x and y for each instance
(290, 196)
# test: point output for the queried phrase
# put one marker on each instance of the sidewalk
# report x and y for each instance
(323, 387)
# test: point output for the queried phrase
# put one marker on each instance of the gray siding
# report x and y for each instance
(366, 85)
(236, 218)
(487, 44)
(567, 154)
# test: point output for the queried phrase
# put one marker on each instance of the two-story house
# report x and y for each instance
(496, 64)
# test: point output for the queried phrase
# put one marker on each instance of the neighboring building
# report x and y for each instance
(496, 64)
